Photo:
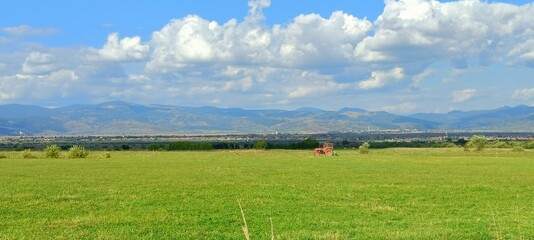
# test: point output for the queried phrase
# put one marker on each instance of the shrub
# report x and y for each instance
(52, 151)
(106, 155)
(78, 152)
(28, 154)
(499, 144)
(529, 144)
(364, 148)
(450, 145)
(261, 144)
(2, 155)
(477, 142)
(518, 149)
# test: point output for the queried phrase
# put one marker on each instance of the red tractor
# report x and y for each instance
(327, 149)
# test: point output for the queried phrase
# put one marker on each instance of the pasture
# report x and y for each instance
(386, 194)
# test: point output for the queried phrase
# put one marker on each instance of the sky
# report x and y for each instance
(401, 56)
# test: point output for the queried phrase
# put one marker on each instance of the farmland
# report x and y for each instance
(391, 193)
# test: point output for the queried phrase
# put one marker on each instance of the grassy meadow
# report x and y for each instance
(386, 194)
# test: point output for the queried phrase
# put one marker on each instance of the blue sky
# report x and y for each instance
(402, 56)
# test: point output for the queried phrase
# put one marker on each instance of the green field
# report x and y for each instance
(387, 194)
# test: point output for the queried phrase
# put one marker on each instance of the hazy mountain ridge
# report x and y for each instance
(126, 118)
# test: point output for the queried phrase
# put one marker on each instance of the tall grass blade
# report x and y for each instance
(245, 227)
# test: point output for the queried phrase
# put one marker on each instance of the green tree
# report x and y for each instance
(477, 142)
(308, 143)
(189, 146)
(261, 144)
(364, 148)
(156, 147)
(52, 151)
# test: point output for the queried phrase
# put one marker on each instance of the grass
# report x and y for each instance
(386, 194)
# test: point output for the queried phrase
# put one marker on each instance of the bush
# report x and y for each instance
(28, 154)
(78, 152)
(106, 155)
(261, 144)
(518, 149)
(450, 145)
(364, 148)
(52, 151)
(528, 144)
(2, 155)
(477, 142)
(499, 144)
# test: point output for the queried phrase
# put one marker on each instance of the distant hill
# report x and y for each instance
(114, 118)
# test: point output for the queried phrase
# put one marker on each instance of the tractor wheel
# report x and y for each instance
(316, 153)
(329, 153)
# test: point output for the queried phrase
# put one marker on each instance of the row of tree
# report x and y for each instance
(308, 143)
(475, 142)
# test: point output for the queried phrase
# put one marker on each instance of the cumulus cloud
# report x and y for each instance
(315, 84)
(58, 83)
(463, 95)
(39, 63)
(200, 61)
(308, 41)
(25, 30)
(128, 48)
(525, 94)
(429, 30)
(380, 79)
(311, 40)
(524, 52)
(255, 9)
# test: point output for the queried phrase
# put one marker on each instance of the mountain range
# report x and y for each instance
(117, 118)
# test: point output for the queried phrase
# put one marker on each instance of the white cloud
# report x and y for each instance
(525, 94)
(195, 61)
(64, 75)
(308, 41)
(255, 9)
(416, 79)
(25, 30)
(193, 40)
(316, 88)
(311, 40)
(243, 85)
(128, 48)
(9, 90)
(39, 63)
(58, 83)
(463, 95)
(380, 79)
(524, 52)
(429, 30)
